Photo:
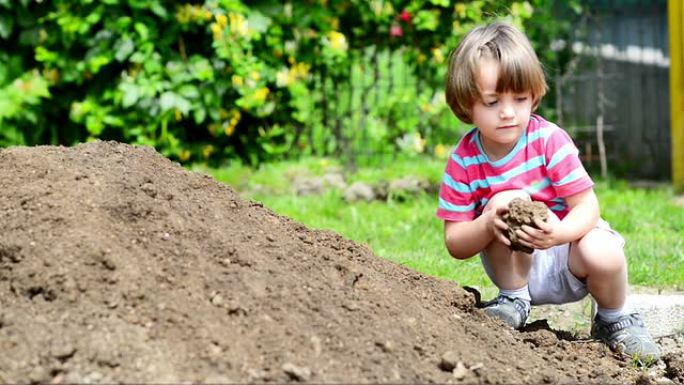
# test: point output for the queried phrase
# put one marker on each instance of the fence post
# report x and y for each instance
(676, 35)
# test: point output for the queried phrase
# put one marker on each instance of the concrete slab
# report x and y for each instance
(663, 314)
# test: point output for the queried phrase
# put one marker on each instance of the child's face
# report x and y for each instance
(500, 117)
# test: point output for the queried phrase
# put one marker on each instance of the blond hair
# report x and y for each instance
(519, 68)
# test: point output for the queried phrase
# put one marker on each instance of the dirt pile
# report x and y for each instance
(118, 265)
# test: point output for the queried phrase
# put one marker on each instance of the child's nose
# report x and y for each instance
(507, 111)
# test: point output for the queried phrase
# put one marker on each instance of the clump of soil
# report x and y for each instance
(522, 212)
(117, 265)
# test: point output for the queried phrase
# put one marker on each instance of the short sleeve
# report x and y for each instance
(563, 165)
(456, 201)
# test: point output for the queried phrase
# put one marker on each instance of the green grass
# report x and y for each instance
(409, 233)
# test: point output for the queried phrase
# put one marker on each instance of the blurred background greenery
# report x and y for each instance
(215, 80)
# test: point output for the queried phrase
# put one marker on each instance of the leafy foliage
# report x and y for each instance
(228, 78)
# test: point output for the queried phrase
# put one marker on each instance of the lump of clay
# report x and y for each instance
(522, 212)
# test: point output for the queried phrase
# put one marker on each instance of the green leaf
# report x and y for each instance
(201, 69)
(97, 62)
(199, 113)
(189, 91)
(171, 100)
(6, 26)
(259, 22)
(142, 30)
(427, 20)
(46, 56)
(124, 48)
(131, 94)
(159, 10)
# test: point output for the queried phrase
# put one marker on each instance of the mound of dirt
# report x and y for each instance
(118, 265)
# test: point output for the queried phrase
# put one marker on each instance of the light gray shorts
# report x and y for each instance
(550, 280)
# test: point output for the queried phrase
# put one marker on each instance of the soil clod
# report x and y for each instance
(522, 212)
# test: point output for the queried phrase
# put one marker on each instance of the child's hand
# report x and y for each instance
(498, 226)
(542, 238)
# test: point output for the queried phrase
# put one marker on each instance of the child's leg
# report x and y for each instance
(509, 270)
(598, 260)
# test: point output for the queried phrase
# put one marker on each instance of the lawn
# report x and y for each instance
(408, 232)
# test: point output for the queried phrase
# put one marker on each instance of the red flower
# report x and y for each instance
(405, 16)
(396, 31)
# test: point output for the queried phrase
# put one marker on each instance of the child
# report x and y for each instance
(494, 82)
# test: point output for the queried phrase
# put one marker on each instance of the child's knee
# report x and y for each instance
(502, 198)
(598, 253)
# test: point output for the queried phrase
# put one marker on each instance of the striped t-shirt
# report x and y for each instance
(544, 162)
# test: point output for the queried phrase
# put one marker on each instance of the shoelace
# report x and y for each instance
(521, 306)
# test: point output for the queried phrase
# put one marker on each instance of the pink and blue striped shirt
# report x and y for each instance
(544, 162)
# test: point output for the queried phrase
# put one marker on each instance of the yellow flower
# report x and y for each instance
(207, 15)
(184, 155)
(421, 58)
(426, 107)
(237, 81)
(236, 114)
(337, 41)
(261, 94)
(301, 70)
(419, 143)
(196, 12)
(229, 126)
(207, 151)
(255, 75)
(217, 31)
(238, 24)
(460, 10)
(287, 76)
(183, 14)
(441, 151)
(221, 20)
(283, 78)
(437, 55)
(179, 115)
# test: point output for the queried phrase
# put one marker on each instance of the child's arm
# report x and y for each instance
(583, 216)
(466, 239)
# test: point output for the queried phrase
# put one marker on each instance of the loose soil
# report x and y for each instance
(521, 212)
(118, 265)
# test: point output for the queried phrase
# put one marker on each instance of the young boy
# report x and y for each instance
(494, 82)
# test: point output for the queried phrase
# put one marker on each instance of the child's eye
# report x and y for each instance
(521, 98)
(491, 104)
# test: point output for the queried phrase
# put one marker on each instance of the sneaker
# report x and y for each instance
(513, 311)
(628, 336)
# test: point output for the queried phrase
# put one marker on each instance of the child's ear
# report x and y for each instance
(536, 102)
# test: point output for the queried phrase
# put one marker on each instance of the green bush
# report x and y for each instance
(256, 80)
